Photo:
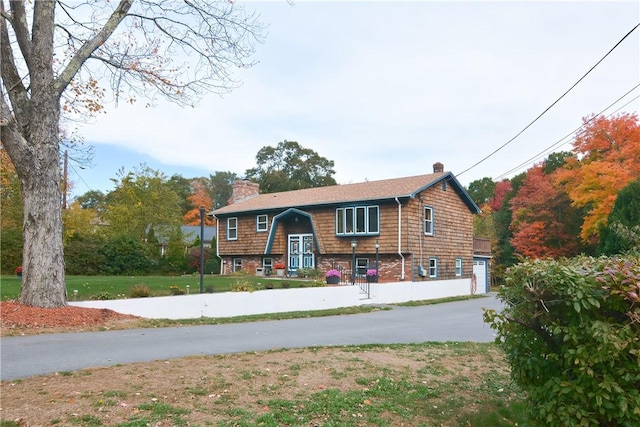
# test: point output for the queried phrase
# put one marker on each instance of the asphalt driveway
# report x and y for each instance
(22, 357)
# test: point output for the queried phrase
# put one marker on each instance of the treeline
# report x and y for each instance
(586, 201)
(136, 227)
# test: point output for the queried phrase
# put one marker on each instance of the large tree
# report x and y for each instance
(289, 166)
(143, 202)
(543, 218)
(54, 56)
(607, 149)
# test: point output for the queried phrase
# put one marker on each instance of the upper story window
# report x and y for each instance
(262, 223)
(358, 220)
(232, 228)
(428, 220)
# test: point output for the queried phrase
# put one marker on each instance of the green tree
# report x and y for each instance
(482, 190)
(219, 187)
(141, 201)
(93, 199)
(625, 213)
(54, 55)
(83, 254)
(124, 255)
(182, 187)
(289, 166)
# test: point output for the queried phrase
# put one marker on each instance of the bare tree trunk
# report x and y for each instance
(43, 275)
(39, 169)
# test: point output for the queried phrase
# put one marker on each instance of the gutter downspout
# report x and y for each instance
(218, 245)
(400, 236)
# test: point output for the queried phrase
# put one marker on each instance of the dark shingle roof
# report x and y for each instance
(345, 193)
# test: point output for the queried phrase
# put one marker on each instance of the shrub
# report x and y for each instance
(309, 273)
(209, 289)
(102, 296)
(139, 291)
(176, 290)
(242, 286)
(570, 331)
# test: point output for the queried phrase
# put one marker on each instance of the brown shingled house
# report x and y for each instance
(418, 228)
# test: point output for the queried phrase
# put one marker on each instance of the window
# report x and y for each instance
(267, 265)
(358, 220)
(458, 267)
(237, 264)
(428, 220)
(262, 223)
(232, 228)
(433, 267)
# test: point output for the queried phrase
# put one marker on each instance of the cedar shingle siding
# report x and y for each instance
(401, 203)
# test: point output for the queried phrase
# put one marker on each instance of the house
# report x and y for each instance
(190, 235)
(417, 228)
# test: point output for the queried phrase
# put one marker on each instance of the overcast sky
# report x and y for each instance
(386, 89)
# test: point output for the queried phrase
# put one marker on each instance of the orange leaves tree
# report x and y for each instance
(199, 197)
(54, 56)
(542, 218)
(608, 158)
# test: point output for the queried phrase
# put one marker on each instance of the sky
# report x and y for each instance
(385, 89)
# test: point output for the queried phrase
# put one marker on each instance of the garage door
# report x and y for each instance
(480, 270)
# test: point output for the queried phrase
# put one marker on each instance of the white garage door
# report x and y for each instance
(480, 270)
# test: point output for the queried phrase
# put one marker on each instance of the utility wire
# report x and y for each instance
(560, 141)
(549, 107)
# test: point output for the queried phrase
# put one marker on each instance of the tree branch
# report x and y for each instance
(91, 45)
(21, 29)
(16, 91)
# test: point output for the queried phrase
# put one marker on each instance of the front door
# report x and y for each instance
(300, 252)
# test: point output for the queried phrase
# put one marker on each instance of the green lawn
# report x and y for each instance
(110, 287)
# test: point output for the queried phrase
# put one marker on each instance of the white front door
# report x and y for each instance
(300, 252)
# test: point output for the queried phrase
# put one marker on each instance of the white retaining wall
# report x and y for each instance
(230, 304)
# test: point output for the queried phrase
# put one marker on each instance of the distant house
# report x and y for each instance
(190, 235)
(418, 228)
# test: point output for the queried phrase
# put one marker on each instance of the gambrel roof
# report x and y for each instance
(387, 189)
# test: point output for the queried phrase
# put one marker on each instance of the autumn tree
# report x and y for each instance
(539, 212)
(11, 217)
(607, 152)
(54, 56)
(289, 166)
(199, 197)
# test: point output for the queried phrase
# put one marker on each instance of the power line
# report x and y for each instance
(560, 141)
(549, 107)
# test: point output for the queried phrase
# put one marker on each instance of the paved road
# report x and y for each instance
(23, 357)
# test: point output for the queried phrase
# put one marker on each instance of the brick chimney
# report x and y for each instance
(438, 167)
(243, 189)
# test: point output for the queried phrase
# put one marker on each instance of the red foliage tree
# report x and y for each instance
(539, 213)
(501, 191)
